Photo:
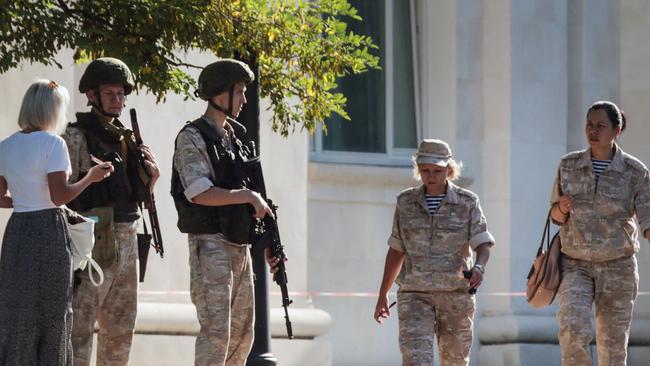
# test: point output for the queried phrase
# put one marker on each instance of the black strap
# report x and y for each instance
(99, 105)
(227, 112)
(547, 228)
(546, 234)
(208, 134)
(231, 91)
(217, 107)
(210, 137)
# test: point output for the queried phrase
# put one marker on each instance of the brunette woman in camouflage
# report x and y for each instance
(600, 193)
(436, 228)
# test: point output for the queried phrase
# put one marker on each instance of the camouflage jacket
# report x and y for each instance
(78, 150)
(601, 224)
(195, 169)
(193, 162)
(437, 247)
(125, 187)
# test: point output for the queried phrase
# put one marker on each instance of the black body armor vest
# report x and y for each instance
(124, 190)
(235, 222)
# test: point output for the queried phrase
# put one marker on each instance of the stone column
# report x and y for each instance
(525, 115)
(437, 53)
(593, 61)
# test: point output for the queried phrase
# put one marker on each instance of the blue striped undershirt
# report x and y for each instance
(433, 201)
(599, 166)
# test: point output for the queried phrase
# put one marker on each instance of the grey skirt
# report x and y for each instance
(36, 290)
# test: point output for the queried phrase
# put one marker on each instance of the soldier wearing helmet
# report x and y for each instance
(112, 74)
(114, 206)
(225, 76)
(214, 204)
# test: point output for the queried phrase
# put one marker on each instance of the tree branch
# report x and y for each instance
(80, 14)
(178, 63)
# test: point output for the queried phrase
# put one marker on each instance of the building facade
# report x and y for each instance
(506, 83)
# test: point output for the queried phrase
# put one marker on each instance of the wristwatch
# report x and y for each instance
(480, 268)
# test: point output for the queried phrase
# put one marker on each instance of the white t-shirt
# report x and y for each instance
(25, 161)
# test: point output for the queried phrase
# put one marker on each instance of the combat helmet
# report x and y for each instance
(106, 70)
(221, 76)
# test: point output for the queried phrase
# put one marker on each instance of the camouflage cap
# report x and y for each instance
(433, 151)
(218, 76)
(106, 70)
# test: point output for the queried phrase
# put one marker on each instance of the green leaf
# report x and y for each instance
(302, 46)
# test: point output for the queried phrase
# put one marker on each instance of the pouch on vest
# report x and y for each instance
(235, 222)
(105, 250)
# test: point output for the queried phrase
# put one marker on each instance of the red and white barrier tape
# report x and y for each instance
(374, 294)
(349, 294)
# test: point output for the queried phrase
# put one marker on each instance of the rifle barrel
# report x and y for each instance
(277, 250)
(287, 323)
(150, 201)
(136, 127)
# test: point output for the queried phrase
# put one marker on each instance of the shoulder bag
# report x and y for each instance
(545, 275)
(81, 232)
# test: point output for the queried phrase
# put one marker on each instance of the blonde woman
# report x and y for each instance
(36, 260)
(436, 229)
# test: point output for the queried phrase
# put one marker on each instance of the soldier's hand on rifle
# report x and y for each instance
(259, 204)
(151, 164)
(272, 261)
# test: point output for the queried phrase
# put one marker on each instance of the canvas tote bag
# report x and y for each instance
(545, 276)
(81, 232)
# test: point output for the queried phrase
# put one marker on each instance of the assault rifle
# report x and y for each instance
(271, 238)
(150, 201)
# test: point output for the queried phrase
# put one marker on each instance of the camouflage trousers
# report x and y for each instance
(114, 305)
(612, 287)
(447, 315)
(221, 285)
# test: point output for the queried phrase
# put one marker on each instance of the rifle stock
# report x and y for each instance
(150, 200)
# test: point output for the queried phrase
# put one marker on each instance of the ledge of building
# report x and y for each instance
(542, 329)
(350, 174)
(180, 319)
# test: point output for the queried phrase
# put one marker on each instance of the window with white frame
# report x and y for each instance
(382, 104)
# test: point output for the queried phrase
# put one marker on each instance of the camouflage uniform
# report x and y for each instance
(599, 240)
(221, 279)
(433, 294)
(114, 303)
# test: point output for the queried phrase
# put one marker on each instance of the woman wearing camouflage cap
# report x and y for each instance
(597, 195)
(436, 228)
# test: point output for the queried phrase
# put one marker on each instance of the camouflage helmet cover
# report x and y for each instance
(106, 70)
(220, 75)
